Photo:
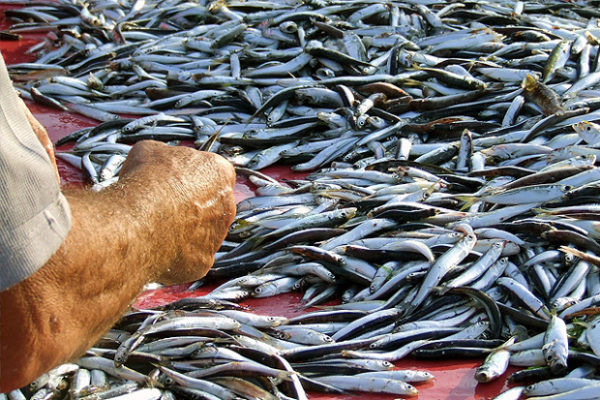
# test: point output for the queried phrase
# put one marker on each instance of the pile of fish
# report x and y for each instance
(309, 83)
(518, 265)
(207, 349)
(452, 205)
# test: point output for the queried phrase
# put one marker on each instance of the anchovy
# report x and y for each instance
(443, 264)
(495, 364)
(556, 344)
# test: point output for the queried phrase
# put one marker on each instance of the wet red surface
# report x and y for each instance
(454, 379)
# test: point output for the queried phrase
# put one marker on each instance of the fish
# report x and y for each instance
(399, 115)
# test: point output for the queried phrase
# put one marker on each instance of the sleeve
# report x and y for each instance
(34, 214)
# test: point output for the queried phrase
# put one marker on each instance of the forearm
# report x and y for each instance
(163, 221)
(62, 309)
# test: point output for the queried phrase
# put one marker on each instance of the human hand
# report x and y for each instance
(42, 136)
(187, 198)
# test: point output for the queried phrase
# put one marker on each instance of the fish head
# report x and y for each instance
(165, 380)
(348, 213)
(361, 121)
(280, 334)
(483, 375)
(327, 339)
(553, 355)
(500, 244)
(563, 302)
(588, 131)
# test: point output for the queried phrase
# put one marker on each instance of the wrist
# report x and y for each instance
(116, 222)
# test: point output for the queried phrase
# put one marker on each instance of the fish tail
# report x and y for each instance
(468, 200)
(529, 82)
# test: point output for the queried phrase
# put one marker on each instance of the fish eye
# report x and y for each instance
(482, 375)
(282, 335)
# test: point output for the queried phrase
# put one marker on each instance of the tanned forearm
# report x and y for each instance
(63, 308)
(166, 229)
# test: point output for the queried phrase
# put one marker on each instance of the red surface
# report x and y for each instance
(454, 380)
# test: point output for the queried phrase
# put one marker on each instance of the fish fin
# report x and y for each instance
(529, 82)
(540, 210)
(413, 82)
(256, 241)
(213, 138)
(509, 342)
(240, 223)
(468, 200)
(572, 251)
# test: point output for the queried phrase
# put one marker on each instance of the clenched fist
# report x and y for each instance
(191, 193)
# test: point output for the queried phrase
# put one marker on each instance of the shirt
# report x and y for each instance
(34, 215)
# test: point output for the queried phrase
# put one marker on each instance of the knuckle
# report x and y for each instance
(224, 171)
(220, 163)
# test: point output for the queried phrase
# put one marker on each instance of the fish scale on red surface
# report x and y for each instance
(454, 380)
